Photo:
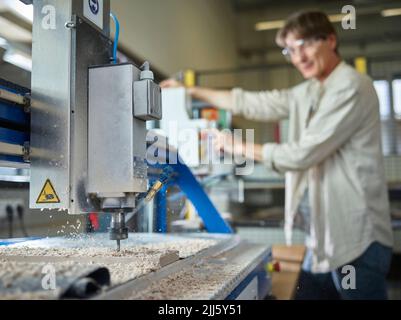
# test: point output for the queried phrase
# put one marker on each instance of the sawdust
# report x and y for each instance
(23, 280)
(122, 272)
(185, 249)
(145, 259)
(12, 273)
(200, 282)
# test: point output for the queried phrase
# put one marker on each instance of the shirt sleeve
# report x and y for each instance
(264, 105)
(338, 117)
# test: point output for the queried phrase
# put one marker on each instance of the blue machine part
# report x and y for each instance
(12, 87)
(9, 113)
(14, 121)
(13, 136)
(263, 279)
(7, 242)
(11, 158)
(161, 205)
(196, 194)
(182, 176)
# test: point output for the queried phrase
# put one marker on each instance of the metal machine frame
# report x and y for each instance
(53, 133)
(55, 142)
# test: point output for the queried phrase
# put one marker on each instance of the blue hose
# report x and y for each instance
(116, 35)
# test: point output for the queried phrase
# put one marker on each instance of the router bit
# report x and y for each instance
(166, 174)
(153, 190)
(118, 230)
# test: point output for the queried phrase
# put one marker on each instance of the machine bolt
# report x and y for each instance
(70, 25)
(26, 149)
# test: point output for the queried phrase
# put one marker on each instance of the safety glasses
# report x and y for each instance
(300, 44)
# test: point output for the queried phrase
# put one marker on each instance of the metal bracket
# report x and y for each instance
(27, 103)
(74, 22)
(26, 150)
(70, 25)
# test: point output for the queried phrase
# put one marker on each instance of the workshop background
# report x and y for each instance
(226, 43)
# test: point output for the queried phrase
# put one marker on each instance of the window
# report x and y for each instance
(396, 86)
(383, 91)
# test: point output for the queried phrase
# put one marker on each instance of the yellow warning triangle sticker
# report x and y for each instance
(48, 194)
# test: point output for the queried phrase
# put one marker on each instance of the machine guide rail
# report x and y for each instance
(232, 249)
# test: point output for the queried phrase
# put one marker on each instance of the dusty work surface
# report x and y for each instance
(21, 265)
(99, 245)
(26, 280)
(205, 277)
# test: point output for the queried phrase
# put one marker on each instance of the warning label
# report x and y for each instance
(48, 194)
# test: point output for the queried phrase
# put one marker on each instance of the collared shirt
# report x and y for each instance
(333, 149)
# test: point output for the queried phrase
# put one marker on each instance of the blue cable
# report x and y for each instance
(117, 34)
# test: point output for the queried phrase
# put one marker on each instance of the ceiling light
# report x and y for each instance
(19, 59)
(18, 8)
(3, 43)
(277, 24)
(269, 25)
(391, 12)
(14, 32)
(336, 17)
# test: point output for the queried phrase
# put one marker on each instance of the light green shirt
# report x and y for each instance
(334, 148)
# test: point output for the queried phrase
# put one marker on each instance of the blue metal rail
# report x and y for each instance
(183, 177)
(13, 136)
(14, 121)
(7, 242)
(10, 113)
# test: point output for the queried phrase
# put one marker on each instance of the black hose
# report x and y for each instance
(10, 218)
(20, 214)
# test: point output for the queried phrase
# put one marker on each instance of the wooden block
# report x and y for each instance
(288, 253)
(168, 257)
(290, 259)
(290, 266)
(283, 284)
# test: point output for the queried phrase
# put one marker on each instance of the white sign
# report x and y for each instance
(93, 10)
